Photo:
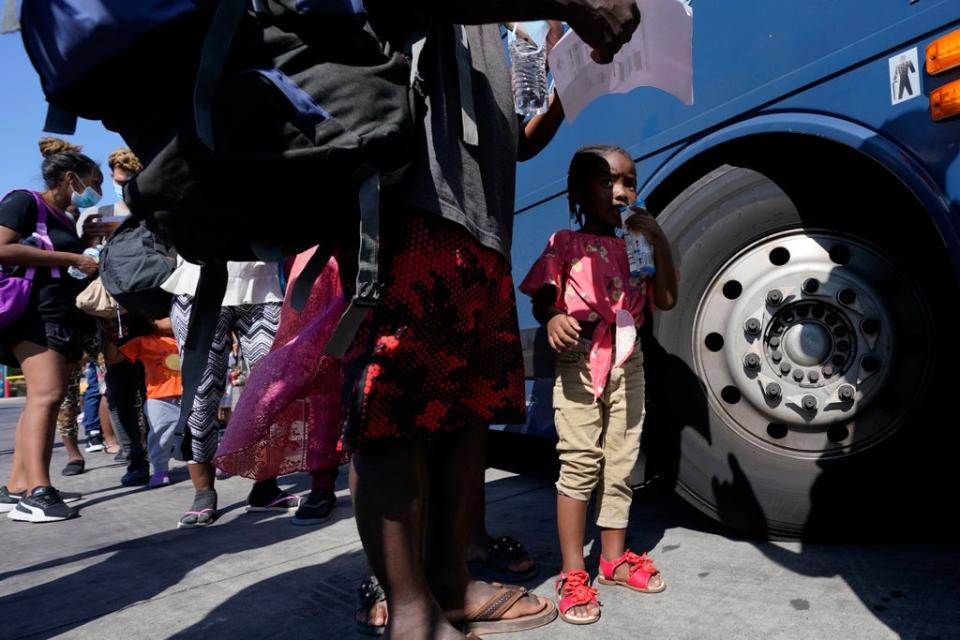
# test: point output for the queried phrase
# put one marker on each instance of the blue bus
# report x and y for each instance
(803, 384)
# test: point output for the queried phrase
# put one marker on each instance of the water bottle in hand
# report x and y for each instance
(529, 72)
(93, 252)
(639, 249)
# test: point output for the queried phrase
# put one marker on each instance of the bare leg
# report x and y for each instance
(480, 538)
(18, 473)
(203, 475)
(377, 615)
(389, 499)
(571, 523)
(106, 427)
(456, 468)
(46, 374)
(72, 448)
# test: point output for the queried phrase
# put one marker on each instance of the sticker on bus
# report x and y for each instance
(904, 77)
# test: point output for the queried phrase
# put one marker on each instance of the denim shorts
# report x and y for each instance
(62, 336)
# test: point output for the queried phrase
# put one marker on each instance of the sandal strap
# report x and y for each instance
(574, 590)
(370, 593)
(497, 605)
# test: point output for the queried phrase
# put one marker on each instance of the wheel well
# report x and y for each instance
(844, 177)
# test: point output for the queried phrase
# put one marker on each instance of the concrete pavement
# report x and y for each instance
(123, 571)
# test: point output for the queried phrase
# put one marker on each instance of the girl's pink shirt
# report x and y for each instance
(592, 280)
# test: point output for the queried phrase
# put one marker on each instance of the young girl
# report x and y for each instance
(591, 306)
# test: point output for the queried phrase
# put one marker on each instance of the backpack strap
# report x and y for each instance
(213, 55)
(196, 348)
(42, 234)
(368, 290)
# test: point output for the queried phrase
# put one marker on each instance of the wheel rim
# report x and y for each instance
(813, 344)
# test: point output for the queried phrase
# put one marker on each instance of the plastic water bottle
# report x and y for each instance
(529, 73)
(639, 249)
(93, 252)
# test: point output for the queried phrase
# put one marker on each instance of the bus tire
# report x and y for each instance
(833, 428)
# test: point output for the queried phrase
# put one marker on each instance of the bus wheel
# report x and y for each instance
(798, 372)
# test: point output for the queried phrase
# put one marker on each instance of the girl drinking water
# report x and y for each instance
(591, 306)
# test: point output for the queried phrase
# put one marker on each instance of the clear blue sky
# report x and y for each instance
(22, 111)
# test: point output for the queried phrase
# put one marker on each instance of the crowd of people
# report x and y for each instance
(435, 363)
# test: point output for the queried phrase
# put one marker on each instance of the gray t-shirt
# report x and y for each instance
(472, 186)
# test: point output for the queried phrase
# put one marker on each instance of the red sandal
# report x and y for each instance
(641, 569)
(574, 590)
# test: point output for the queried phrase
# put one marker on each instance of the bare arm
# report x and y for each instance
(11, 252)
(605, 25)
(539, 130)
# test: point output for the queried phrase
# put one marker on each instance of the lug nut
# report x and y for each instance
(752, 326)
(774, 298)
(813, 376)
(773, 390)
(828, 371)
(846, 393)
(870, 364)
(811, 285)
(870, 326)
(776, 356)
(809, 403)
(785, 367)
(752, 361)
(847, 296)
(775, 342)
(798, 375)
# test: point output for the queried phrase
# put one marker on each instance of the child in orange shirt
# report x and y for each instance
(161, 363)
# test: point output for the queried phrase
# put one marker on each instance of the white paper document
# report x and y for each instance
(659, 55)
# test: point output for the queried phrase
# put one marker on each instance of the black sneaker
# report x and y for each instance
(138, 473)
(8, 501)
(316, 508)
(94, 442)
(43, 505)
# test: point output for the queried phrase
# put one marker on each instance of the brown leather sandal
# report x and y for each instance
(488, 617)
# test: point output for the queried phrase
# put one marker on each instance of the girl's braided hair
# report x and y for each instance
(586, 162)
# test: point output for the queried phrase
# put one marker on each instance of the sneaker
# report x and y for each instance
(159, 479)
(280, 501)
(138, 474)
(223, 475)
(43, 505)
(94, 442)
(316, 508)
(8, 500)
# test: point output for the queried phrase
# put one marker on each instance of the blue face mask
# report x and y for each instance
(89, 198)
(118, 191)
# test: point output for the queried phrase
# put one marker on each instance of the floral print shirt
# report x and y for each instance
(592, 280)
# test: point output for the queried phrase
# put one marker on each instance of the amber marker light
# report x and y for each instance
(945, 101)
(943, 53)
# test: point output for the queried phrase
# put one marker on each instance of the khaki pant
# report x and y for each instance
(599, 439)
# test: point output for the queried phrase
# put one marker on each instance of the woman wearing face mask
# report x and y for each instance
(44, 341)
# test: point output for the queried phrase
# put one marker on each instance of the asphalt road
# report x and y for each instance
(122, 570)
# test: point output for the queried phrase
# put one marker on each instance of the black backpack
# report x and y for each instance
(265, 127)
(133, 264)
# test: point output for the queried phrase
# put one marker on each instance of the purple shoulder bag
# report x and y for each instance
(15, 289)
